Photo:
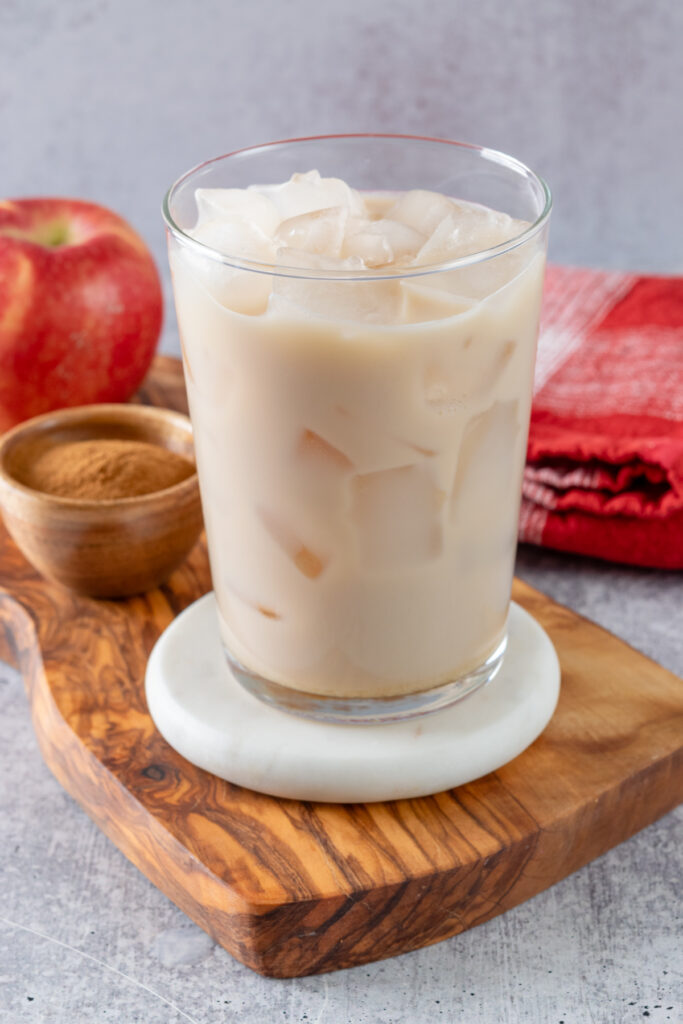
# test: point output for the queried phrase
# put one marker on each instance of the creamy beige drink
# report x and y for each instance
(360, 426)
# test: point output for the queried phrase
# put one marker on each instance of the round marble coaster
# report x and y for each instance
(204, 714)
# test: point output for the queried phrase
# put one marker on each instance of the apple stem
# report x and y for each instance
(54, 234)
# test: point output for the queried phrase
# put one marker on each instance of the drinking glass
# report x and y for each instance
(360, 434)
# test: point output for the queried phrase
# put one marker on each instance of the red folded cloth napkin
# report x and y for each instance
(604, 473)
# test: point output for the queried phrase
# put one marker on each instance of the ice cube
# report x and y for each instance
(485, 278)
(321, 454)
(481, 228)
(499, 363)
(484, 484)
(346, 299)
(237, 204)
(396, 515)
(320, 232)
(427, 453)
(238, 593)
(442, 244)
(380, 242)
(371, 438)
(268, 613)
(422, 302)
(297, 259)
(421, 210)
(244, 291)
(237, 239)
(404, 241)
(283, 306)
(439, 394)
(378, 204)
(304, 193)
(304, 558)
(359, 240)
(459, 373)
(468, 229)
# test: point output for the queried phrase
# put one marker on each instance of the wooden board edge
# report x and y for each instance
(442, 906)
(316, 936)
(8, 652)
(530, 598)
(136, 833)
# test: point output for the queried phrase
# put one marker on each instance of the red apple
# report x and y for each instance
(80, 307)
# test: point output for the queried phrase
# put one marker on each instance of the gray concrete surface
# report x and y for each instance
(112, 99)
(86, 939)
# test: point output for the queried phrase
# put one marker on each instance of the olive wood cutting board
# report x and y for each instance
(295, 888)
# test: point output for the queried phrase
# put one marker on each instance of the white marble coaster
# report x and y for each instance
(204, 714)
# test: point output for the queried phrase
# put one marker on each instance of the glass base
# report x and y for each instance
(367, 710)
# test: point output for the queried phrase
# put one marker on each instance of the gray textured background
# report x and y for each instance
(112, 99)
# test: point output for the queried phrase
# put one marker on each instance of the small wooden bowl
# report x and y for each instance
(101, 548)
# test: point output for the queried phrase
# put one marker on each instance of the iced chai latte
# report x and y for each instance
(360, 424)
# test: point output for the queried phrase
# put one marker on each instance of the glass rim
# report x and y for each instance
(366, 274)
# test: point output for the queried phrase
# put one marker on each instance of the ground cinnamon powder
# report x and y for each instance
(104, 469)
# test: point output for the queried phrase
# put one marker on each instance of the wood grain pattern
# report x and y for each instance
(298, 888)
